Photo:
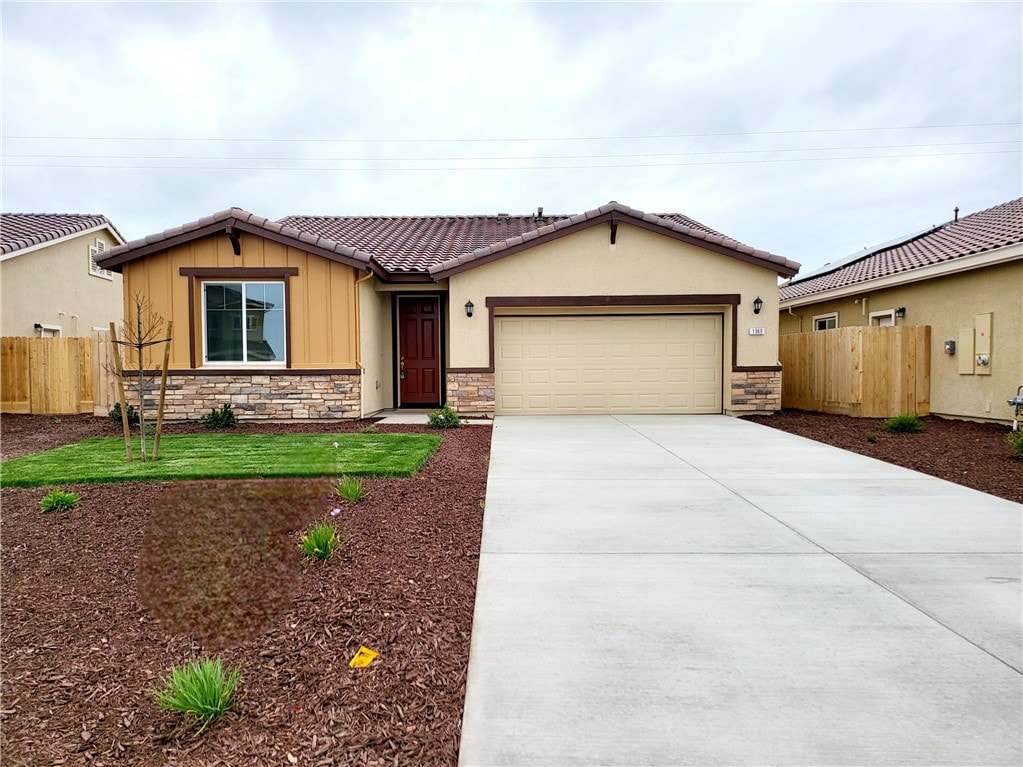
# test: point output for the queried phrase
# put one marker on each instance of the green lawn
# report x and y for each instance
(225, 456)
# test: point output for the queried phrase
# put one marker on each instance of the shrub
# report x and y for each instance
(321, 541)
(115, 414)
(59, 500)
(907, 423)
(199, 690)
(223, 418)
(445, 418)
(871, 437)
(351, 489)
(1015, 439)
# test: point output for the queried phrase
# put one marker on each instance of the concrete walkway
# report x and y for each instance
(700, 590)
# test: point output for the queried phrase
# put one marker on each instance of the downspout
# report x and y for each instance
(798, 317)
(358, 343)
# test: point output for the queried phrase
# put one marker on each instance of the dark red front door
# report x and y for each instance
(419, 350)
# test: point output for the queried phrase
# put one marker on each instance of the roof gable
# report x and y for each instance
(231, 221)
(972, 235)
(28, 231)
(672, 225)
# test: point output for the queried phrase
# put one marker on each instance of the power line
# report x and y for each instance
(449, 158)
(508, 167)
(510, 139)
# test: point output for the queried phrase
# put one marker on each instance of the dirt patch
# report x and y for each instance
(81, 651)
(976, 455)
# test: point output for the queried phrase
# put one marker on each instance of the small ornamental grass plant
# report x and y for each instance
(445, 418)
(1015, 440)
(58, 500)
(351, 489)
(200, 689)
(223, 418)
(907, 423)
(321, 541)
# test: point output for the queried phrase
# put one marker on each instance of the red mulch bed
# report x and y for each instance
(973, 454)
(94, 611)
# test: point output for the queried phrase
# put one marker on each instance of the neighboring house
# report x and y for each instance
(609, 311)
(963, 278)
(51, 284)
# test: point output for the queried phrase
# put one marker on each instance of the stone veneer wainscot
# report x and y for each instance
(755, 391)
(283, 397)
(471, 393)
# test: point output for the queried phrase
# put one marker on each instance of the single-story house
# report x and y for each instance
(609, 311)
(963, 278)
(50, 280)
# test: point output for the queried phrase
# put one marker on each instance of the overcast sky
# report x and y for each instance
(809, 130)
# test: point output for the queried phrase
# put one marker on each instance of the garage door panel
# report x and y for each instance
(616, 364)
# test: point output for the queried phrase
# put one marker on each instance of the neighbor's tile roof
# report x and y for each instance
(436, 244)
(23, 230)
(989, 229)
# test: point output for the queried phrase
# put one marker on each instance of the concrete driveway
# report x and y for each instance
(700, 590)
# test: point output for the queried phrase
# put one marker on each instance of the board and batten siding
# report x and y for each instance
(322, 331)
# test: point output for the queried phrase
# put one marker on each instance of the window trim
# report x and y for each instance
(827, 316)
(879, 315)
(236, 280)
(41, 326)
(250, 273)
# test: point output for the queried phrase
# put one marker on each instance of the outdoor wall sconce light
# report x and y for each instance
(468, 308)
(900, 312)
(758, 304)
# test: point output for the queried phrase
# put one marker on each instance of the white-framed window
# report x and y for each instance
(243, 323)
(48, 331)
(96, 250)
(825, 321)
(883, 319)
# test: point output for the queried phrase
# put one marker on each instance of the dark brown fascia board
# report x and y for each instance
(731, 299)
(219, 227)
(614, 217)
(423, 278)
(256, 272)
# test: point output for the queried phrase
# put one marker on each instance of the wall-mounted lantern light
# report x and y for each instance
(468, 308)
(758, 304)
(900, 312)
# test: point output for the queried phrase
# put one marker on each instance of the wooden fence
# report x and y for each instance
(861, 371)
(57, 376)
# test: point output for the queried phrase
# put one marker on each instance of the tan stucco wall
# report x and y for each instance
(640, 263)
(377, 358)
(53, 286)
(948, 304)
(322, 330)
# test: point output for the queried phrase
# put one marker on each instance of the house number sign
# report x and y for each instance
(756, 331)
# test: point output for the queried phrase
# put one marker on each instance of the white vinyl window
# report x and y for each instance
(95, 251)
(44, 330)
(244, 323)
(825, 321)
(883, 319)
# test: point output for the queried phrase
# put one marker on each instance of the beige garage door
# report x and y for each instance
(667, 363)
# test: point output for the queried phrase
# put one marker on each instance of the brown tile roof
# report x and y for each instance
(976, 233)
(239, 219)
(24, 230)
(437, 245)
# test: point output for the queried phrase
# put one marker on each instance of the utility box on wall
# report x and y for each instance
(982, 344)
